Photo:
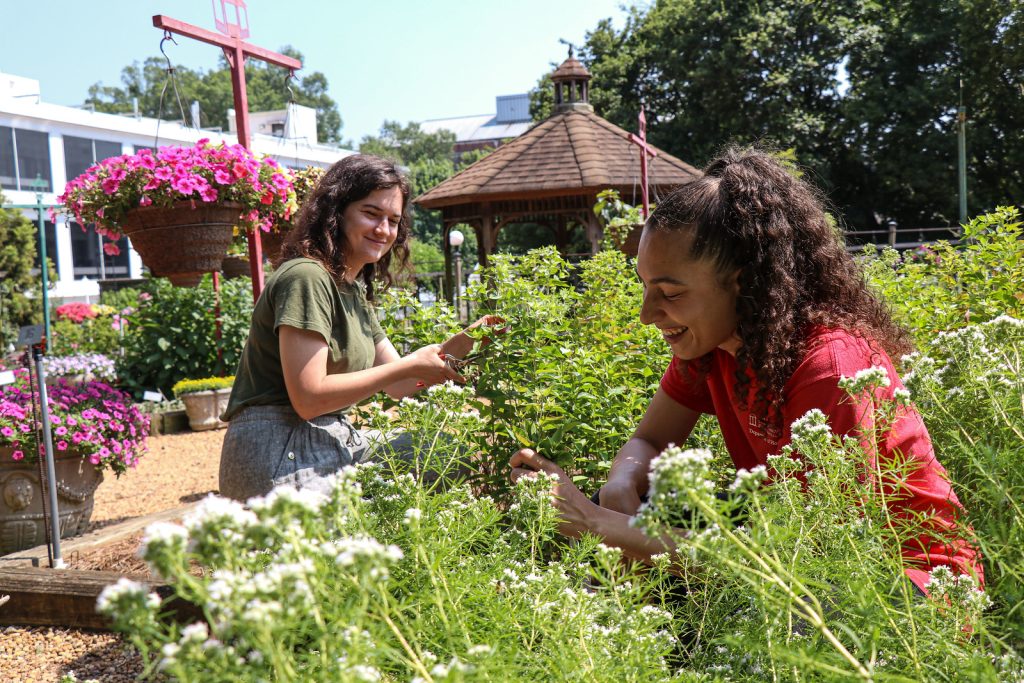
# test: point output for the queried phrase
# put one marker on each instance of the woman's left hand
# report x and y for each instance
(461, 344)
(576, 509)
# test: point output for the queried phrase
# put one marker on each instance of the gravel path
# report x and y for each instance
(178, 469)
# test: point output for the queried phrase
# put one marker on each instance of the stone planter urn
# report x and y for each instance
(204, 408)
(21, 499)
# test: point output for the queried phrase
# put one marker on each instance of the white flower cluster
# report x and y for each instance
(449, 388)
(198, 632)
(958, 589)
(286, 495)
(535, 488)
(219, 515)
(361, 551)
(607, 553)
(867, 379)
(676, 470)
(810, 428)
(412, 516)
(364, 673)
(162, 543)
(115, 596)
(442, 671)
(749, 480)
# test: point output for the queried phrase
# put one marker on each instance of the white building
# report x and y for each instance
(511, 120)
(55, 143)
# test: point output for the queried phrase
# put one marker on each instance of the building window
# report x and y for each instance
(89, 259)
(24, 157)
(51, 244)
(81, 153)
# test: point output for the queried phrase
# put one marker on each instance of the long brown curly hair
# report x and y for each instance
(748, 212)
(319, 231)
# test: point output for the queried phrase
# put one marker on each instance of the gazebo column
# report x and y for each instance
(561, 235)
(593, 227)
(486, 235)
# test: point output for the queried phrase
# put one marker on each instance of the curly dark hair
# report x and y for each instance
(319, 233)
(748, 212)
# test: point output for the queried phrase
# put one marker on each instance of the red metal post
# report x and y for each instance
(236, 59)
(217, 322)
(645, 149)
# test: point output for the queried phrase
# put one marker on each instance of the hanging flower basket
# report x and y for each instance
(179, 204)
(304, 181)
(180, 242)
(235, 266)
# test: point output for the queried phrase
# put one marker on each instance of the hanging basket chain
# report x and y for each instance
(173, 80)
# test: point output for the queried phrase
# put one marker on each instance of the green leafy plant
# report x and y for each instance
(947, 286)
(20, 288)
(620, 219)
(173, 334)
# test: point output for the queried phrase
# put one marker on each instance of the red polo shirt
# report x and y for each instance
(830, 354)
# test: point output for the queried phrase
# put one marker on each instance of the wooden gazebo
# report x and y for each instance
(551, 174)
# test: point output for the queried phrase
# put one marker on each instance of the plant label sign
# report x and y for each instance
(29, 335)
(154, 396)
(6, 377)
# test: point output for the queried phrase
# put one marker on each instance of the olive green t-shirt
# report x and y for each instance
(302, 294)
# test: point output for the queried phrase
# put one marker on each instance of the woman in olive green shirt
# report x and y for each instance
(315, 347)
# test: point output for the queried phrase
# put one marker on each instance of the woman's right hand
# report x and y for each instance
(427, 365)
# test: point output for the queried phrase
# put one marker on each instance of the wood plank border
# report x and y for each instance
(39, 555)
(67, 598)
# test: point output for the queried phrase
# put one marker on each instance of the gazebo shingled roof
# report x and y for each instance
(552, 173)
(571, 153)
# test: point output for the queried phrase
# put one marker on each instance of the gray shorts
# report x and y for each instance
(270, 445)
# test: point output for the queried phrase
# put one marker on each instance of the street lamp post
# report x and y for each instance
(455, 239)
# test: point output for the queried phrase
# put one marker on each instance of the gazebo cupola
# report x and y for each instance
(571, 89)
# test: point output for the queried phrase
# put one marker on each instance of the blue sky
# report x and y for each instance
(404, 60)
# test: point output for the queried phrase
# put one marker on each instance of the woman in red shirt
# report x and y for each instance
(751, 286)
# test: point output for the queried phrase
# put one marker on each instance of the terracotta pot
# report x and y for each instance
(204, 408)
(21, 499)
(183, 241)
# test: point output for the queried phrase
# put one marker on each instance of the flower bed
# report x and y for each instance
(91, 418)
(81, 365)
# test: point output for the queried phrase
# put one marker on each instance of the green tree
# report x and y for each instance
(267, 88)
(864, 93)
(20, 286)
(899, 117)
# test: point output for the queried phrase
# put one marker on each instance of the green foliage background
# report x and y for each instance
(20, 289)
(172, 336)
(865, 92)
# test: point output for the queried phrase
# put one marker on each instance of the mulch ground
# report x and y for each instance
(179, 468)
